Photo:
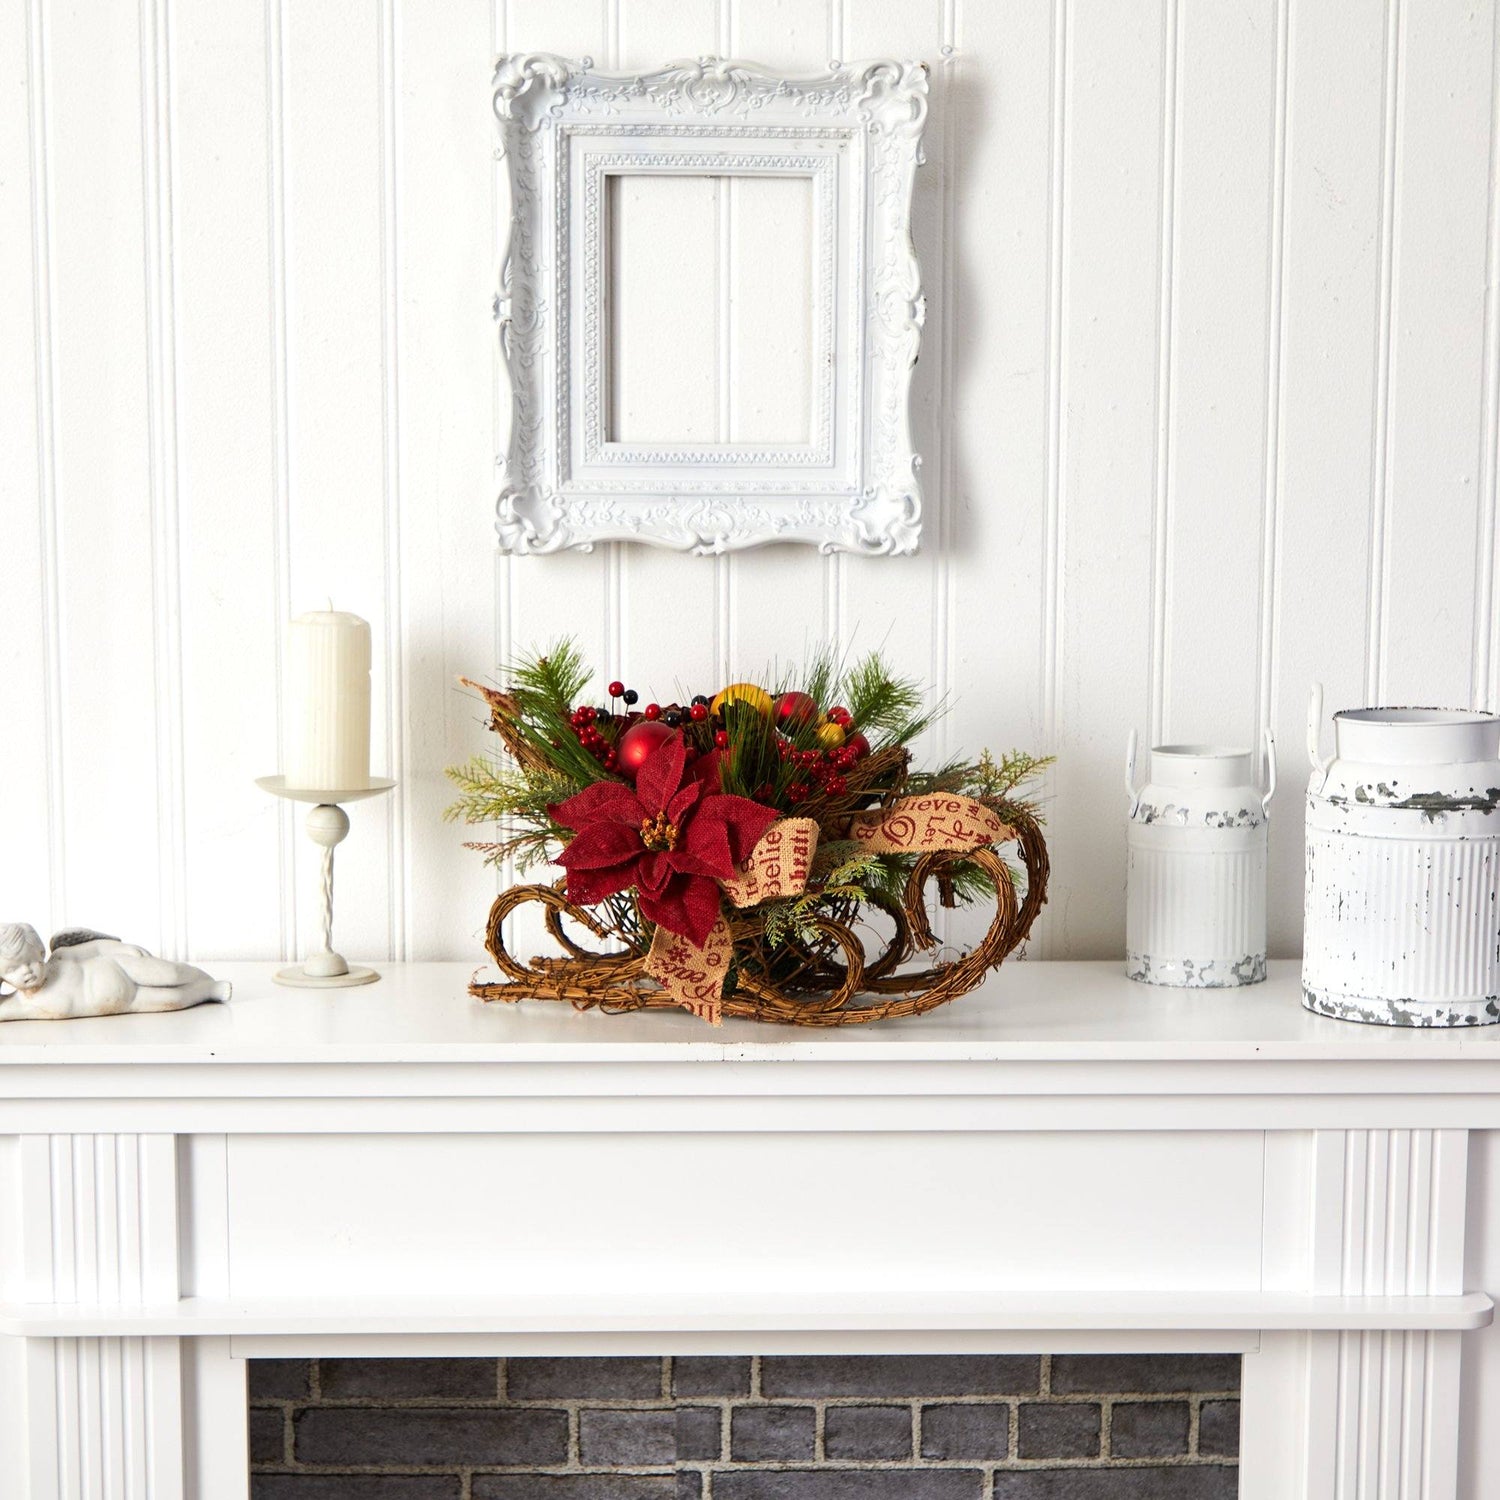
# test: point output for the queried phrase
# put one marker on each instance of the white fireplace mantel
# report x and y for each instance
(1062, 1161)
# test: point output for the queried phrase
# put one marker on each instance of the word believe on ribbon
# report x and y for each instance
(936, 823)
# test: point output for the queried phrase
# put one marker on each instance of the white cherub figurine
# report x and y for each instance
(89, 974)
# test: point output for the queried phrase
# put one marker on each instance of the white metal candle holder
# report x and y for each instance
(327, 824)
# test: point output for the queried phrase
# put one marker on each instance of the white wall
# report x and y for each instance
(1207, 401)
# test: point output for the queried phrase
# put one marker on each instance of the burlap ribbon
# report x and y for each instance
(939, 823)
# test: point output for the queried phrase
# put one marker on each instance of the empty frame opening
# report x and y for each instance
(710, 309)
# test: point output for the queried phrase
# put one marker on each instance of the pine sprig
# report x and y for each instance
(793, 916)
(995, 783)
(545, 690)
(517, 800)
(891, 710)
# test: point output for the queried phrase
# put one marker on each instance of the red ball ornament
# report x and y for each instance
(793, 710)
(859, 745)
(637, 743)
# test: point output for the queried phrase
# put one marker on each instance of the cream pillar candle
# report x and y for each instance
(326, 702)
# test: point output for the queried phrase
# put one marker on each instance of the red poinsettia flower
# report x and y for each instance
(673, 841)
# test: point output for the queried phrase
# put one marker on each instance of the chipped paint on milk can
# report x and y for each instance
(1195, 889)
(1403, 867)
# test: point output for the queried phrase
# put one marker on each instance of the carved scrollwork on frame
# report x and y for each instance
(855, 134)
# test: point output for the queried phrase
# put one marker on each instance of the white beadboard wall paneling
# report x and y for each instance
(337, 395)
(1212, 484)
(779, 597)
(894, 603)
(898, 604)
(999, 163)
(29, 879)
(396, 663)
(503, 564)
(1166, 348)
(1439, 225)
(1116, 77)
(1380, 445)
(445, 257)
(107, 730)
(280, 408)
(576, 594)
(669, 632)
(159, 185)
(1487, 530)
(1208, 402)
(227, 479)
(1330, 314)
(1269, 597)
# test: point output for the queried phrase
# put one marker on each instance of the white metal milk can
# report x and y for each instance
(1195, 886)
(1403, 867)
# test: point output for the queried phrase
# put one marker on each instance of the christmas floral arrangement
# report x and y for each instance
(741, 854)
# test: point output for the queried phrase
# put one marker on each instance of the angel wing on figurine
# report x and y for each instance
(92, 974)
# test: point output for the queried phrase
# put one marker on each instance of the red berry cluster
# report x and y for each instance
(824, 769)
(610, 748)
(584, 721)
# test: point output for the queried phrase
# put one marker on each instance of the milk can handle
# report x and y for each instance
(1130, 787)
(1270, 744)
(1320, 762)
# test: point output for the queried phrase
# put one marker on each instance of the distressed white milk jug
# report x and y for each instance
(1403, 867)
(1195, 884)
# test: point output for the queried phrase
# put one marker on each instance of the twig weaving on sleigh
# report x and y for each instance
(832, 981)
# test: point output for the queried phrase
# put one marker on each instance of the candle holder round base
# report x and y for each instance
(298, 977)
(327, 825)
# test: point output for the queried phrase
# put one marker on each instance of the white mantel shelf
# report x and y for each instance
(1055, 1045)
(1062, 1160)
(1026, 1012)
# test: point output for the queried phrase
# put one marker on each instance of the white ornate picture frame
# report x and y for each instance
(854, 134)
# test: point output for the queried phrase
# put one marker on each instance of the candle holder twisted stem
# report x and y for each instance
(327, 826)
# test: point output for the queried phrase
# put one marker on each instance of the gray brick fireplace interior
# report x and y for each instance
(902, 1427)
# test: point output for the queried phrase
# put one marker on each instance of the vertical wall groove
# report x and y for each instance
(1053, 536)
(281, 518)
(834, 573)
(1482, 692)
(616, 556)
(43, 323)
(505, 563)
(725, 567)
(1267, 681)
(398, 871)
(1380, 561)
(946, 500)
(158, 176)
(1161, 536)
